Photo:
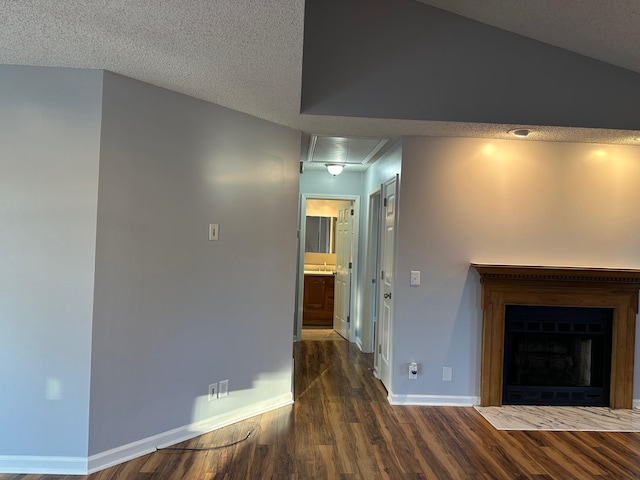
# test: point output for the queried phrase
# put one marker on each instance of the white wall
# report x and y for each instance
(173, 311)
(321, 182)
(49, 149)
(503, 202)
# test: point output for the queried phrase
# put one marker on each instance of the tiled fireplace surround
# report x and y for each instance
(558, 286)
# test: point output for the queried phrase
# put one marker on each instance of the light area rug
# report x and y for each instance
(586, 419)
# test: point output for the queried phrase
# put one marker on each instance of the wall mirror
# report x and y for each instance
(320, 236)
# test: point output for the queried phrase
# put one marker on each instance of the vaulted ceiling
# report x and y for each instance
(248, 55)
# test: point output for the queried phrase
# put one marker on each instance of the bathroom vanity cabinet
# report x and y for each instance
(318, 299)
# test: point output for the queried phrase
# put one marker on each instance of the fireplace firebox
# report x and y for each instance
(557, 355)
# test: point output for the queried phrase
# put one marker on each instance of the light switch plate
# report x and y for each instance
(415, 278)
(224, 389)
(213, 231)
(213, 391)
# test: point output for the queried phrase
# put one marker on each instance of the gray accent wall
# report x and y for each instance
(407, 60)
(173, 311)
(49, 152)
(498, 202)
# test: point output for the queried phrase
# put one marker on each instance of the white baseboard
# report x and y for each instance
(32, 464)
(83, 465)
(133, 450)
(636, 403)
(433, 400)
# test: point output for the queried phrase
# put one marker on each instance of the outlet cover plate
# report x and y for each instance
(224, 389)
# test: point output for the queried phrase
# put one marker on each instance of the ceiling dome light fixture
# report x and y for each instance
(519, 132)
(334, 168)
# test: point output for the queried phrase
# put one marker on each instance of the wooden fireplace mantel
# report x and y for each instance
(558, 286)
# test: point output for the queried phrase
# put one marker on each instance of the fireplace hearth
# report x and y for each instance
(505, 287)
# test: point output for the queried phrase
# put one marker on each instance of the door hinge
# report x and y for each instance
(350, 264)
(379, 348)
(385, 202)
(373, 280)
(348, 318)
(381, 274)
(352, 212)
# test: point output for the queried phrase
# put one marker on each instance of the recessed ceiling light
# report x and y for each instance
(519, 132)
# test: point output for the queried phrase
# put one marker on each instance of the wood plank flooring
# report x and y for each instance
(342, 427)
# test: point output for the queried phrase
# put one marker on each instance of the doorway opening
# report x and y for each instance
(372, 267)
(327, 279)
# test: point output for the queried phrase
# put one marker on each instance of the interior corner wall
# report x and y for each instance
(402, 59)
(49, 151)
(384, 169)
(175, 312)
(498, 202)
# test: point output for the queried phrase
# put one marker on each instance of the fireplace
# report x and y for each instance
(506, 289)
(557, 356)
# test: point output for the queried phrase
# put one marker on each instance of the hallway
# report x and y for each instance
(342, 427)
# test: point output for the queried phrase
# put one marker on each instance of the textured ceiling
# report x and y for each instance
(247, 54)
(242, 54)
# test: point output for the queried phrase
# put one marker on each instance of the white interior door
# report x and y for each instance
(344, 248)
(385, 312)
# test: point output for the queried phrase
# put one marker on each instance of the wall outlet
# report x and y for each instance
(447, 372)
(413, 370)
(213, 391)
(415, 278)
(224, 388)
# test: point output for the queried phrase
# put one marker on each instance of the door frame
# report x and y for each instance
(379, 286)
(297, 331)
(371, 272)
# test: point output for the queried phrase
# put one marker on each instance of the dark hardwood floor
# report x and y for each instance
(342, 427)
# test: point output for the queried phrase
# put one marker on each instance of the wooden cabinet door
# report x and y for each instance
(314, 293)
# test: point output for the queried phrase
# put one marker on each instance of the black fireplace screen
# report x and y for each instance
(557, 355)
